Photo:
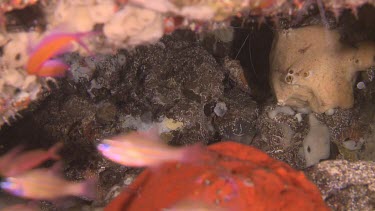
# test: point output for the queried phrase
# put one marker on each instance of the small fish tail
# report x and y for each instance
(88, 189)
(8, 157)
(53, 151)
(194, 153)
(84, 34)
(88, 33)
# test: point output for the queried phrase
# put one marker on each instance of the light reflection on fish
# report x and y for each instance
(141, 149)
(43, 184)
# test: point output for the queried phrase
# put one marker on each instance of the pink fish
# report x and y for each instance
(40, 61)
(15, 162)
(6, 159)
(43, 184)
(139, 149)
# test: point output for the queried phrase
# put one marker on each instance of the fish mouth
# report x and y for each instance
(103, 147)
(11, 185)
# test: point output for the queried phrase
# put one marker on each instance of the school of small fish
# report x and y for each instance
(16, 162)
(22, 177)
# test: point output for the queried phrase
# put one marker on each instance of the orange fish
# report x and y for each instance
(40, 61)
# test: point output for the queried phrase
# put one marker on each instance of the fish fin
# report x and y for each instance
(53, 151)
(53, 67)
(56, 168)
(194, 153)
(7, 158)
(152, 134)
(81, 43)
(88, 189)
(11, 154)
(84, 46)
(154, 169)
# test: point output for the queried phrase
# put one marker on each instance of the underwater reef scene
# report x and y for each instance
(187, 105)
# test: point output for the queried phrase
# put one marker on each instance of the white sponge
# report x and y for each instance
(316, 145)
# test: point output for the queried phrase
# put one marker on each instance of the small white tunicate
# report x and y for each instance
(128, 180)
(316, 144)
(121, 58)
(298, 116)
(361, 85)
(353, 145)
(281, 109)
(220, 109)
(280, 102)
(304, 110)
(330, 112)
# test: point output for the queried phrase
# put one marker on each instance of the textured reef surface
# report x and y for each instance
(205, 82)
